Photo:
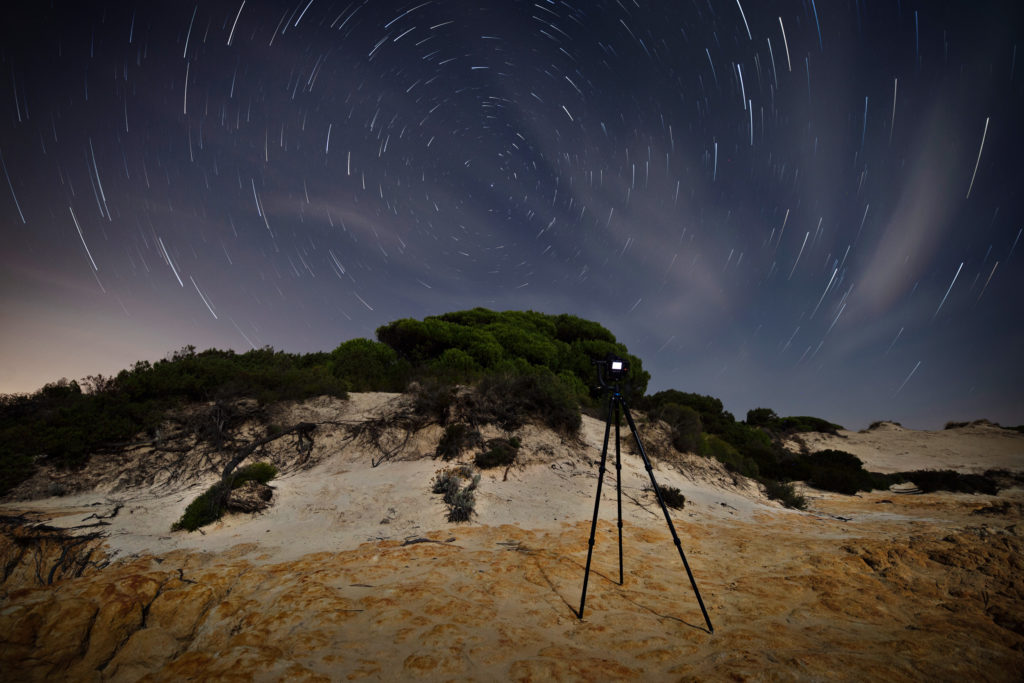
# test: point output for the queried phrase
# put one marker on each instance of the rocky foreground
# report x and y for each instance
(342, 579)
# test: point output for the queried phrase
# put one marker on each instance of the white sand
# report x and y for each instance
(892, 448)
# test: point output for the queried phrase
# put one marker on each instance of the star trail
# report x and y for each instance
(812, 209)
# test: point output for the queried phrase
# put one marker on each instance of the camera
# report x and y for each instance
(612, 369)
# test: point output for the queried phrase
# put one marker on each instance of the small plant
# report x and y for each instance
(784, 492)
(461, 507)
(497, 453)
(460, 500)
(446, 483)
(673, 497)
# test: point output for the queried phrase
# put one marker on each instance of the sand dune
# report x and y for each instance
(353, 573)
(889, 447)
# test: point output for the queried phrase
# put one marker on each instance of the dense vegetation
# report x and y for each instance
(64, 423)
(467, 346)
(523, 366)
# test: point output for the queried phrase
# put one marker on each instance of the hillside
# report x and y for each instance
(353, 571)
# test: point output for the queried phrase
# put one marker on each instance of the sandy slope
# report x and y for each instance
(354, 573)
(892, 448)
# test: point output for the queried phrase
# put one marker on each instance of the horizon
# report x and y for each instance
(813, 210)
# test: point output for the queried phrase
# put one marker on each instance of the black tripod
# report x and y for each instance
(617, 369)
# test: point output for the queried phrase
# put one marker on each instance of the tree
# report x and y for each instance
(761, 417)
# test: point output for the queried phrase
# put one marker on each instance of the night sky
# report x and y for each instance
(810, 207)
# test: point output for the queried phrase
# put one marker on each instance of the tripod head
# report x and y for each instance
(611, 368)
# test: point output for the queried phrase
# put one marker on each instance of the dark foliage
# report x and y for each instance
(784, 492)
(433, 400)
(457, 438)
(673, 497)
(260, 472)
(510, 401)
(464, 346)
(930, 481)
(497, 453)
(713, 446)
(684, 423)
(64, 425)
(210, 505)
(206, 509)
(768, 420)
(367, 365)
(831, 470)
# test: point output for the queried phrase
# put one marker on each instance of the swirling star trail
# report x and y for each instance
(765, 201)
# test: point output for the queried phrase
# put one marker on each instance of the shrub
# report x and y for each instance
(497, 453)
(454, 366)
(456, 438)
(460, 500)
(684, 423)
(465, 344)
(804, 423)
(673, 497)
(831, 470)
(761, 417)
(712, 446)
(509, 401)
(209, 506)
(368, 366)
(261, 472)
(930, 481)
(206, 509)
(433, 400)
(447, 484)
(461, 507)
(784, 493)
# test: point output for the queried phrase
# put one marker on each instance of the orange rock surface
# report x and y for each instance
(899, 595)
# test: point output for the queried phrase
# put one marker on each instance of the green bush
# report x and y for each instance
(206, 509)
(837, 471)
(761, 417)
(261, 472)
(497, 453)
(368, 366)
(712, 446)
(209, 506)
(804, 423)
(463, 345)
(63, 425)
(684, 423)
(930, 481)
(784, 493)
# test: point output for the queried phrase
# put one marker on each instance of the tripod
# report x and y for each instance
(618, 368)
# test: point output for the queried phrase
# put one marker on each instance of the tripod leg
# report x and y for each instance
(597, 505)
(618, 483)
(664, 509)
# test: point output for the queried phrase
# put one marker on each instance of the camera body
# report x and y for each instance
(611, 370)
